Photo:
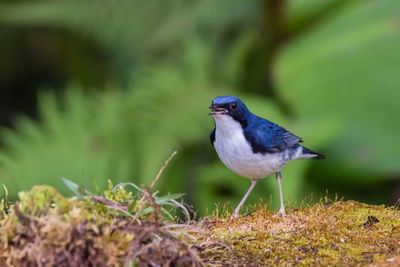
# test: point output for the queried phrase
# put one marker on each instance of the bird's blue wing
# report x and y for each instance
(212, 137)
(265, 136)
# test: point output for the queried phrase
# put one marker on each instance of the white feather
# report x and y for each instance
(236, 153)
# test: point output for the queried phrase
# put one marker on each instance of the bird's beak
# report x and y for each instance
(217, 110)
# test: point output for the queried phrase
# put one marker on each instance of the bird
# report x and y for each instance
(251, 146)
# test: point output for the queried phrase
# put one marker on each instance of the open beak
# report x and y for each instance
(217, 110)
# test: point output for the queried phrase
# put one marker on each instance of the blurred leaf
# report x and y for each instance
(79, 191)
(346, 72)
(115, 134)
(124, 26)
(303, 15)
(144, 211)
(167, 198)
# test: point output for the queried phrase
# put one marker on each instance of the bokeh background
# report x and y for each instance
(96, 89)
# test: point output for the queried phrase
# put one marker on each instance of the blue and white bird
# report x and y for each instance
(251, 146)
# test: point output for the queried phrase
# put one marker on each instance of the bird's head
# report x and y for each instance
(229, 106)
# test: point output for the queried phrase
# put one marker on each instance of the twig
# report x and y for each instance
(159, 174)
(112, 204)
(187, 214)
(195, 259)
(162, 169)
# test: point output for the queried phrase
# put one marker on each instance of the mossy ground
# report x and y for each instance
(340, 233)
(45, 229)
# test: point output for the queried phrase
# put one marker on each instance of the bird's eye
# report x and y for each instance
(234, 105)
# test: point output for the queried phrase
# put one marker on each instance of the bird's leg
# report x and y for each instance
(279, 178)
(236, 212)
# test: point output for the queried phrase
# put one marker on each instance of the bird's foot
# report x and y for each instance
(281, 212)
(234, 216)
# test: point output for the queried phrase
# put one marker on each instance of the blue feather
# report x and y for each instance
(267, 137)
(212, 137)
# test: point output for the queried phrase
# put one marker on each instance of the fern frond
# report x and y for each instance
(120, 134)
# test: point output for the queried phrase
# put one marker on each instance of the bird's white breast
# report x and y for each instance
(236, 152)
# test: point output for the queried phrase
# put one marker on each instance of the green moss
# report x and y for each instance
(327, 234)
(46, 229)
(43, 199)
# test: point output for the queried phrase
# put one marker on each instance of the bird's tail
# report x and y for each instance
(307, 153)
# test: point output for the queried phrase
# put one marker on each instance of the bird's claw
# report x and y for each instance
(234, 216)
(281, 212)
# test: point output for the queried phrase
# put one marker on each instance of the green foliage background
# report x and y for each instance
(138, 76)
